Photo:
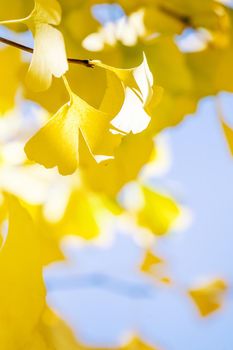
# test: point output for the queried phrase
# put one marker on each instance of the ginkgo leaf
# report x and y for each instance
(154, 267)
(170, 66)
(158, 212)
(85, 214)
(22, 293)
(15, 9)
(48, 234)
(49, 56)
(158, 21)
(80, 216)
(132, 117)
(57, 143)
(150, 260)
(137, 83)
(110, 175)
(114, 95)
(81, 80)
(165, 115)
(228, 132)
(81, 14)
(37, 342)
(139, 79)
(137, 344)
(10, 78)
(209, 297)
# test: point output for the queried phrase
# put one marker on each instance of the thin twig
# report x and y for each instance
(186, 20)
(86, 63)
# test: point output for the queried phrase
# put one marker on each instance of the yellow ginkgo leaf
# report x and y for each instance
(139, 79)
(81, 79)
(150, 261)
(209, 297)
(49, 56)
(165, 115)
(81, 14)
(158, 212)
(10, 78)
(57, 143)
(137, 344)
(228, 132)
(154, 266)
(114, 95)
(86, 214)
(48, 234)
(111, 175)
(158, 21)
(17, 9)
(22, 293)
(132, 117)
(37, 342)
(80, 216)
(137, 83)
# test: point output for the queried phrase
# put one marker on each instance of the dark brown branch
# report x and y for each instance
(86, 63)
(186, 20)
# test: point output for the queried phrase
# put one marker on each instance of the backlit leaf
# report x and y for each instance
(158, 212)
(138, 84)
(228, 132)
(49, 57)
(58, 142)
(209, 297)
(22, 293)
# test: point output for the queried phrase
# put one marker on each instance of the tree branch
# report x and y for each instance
(86, 63)
(186, 20)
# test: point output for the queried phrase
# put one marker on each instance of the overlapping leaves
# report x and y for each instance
(105, 131)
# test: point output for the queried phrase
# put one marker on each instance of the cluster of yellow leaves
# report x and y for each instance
(103, 136)
(200, 73)
(196, 77)
(155, 24)
(58, 143)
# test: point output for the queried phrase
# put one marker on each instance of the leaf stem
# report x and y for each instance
(68, 87)
(86, 63)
